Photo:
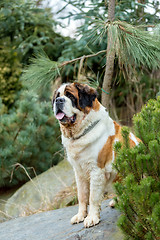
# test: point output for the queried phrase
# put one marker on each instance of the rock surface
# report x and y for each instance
(55, 225)
(40, 192)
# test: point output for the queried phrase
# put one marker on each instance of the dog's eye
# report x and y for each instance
(69, 95)
(72, 98)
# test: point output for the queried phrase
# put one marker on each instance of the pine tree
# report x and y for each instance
(139, 168)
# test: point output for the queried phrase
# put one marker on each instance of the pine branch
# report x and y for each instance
(135, 46)
(43, 71)
(19, 130)
(83, 57)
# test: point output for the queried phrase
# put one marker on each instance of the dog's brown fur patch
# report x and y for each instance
(106, 154)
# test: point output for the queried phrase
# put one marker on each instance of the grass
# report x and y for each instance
(63, 198)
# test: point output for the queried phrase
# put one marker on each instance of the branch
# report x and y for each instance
(20, 127)
(82, 57)
(123, 29)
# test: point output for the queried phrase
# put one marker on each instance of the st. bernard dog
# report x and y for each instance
(88, 135)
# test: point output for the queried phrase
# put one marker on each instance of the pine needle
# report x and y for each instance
(41, 72)
(135, 46)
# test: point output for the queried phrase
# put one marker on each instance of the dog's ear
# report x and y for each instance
(86, 95)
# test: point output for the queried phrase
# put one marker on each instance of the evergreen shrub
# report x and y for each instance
(10, 70)
(139, 167)
(29, 135)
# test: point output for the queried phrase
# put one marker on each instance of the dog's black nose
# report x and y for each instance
(60, 100)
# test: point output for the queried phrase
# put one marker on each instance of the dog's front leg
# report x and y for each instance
(97, 187)
(83, 199)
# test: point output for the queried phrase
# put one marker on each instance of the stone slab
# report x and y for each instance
(55, 225)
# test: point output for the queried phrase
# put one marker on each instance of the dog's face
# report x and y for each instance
(73, 100)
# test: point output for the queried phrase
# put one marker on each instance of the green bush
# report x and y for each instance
(29, 136)
(10, 70)
(139, 167)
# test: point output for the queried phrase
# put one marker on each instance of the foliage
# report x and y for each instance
(139, 168)
(74, 49)
(10, 70)
(93, 33)
(29, 132)
(133, 43)
(29, 28)
(24, 30)
(130, 11)
(29, 136)
(129, 45)
(41, 68)
(134, 94)
(43, 71)
(134, 48)
(94, 14)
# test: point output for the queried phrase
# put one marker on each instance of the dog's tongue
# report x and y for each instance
(59, 116)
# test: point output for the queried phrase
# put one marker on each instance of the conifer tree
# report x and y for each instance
(139, 168)
(29, 135)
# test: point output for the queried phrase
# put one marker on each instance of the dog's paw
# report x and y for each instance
(91, 220)
(112, 203)
(77, 218)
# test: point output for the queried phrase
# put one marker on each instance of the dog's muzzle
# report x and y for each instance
(59, 103)
(59, 113)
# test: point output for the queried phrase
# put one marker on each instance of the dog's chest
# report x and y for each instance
(83, 154)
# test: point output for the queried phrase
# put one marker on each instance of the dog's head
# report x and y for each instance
(72, 100)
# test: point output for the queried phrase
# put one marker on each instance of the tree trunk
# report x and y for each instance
(110, 56)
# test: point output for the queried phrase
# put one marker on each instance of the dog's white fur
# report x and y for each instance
(82, 153)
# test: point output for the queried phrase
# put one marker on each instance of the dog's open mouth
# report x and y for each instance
(63, 118)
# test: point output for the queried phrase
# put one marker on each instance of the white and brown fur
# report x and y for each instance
(90, 154)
